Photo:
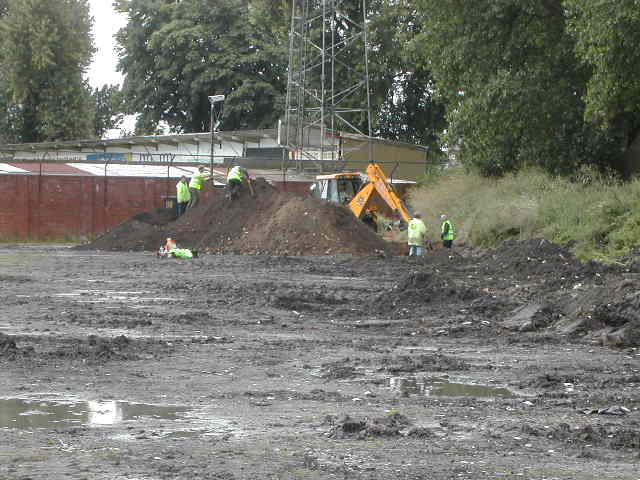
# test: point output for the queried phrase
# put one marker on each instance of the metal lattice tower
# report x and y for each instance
(328, 81)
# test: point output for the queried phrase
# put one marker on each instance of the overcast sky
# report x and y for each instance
(106, 22)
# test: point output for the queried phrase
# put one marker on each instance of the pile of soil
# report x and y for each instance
(362, 428)
(270, 222)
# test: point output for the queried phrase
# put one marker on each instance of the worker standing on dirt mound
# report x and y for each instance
(236, 176)
(195, 185)
(417, 232)
(447, 234)
(182, 195)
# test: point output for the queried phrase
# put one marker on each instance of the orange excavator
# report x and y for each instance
(373, 192)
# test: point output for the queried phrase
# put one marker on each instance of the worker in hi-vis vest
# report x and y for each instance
(182, 195)
(195, 185)
(236, 176)
(447, 233)
(417, 232)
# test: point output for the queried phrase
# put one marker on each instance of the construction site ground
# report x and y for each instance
(467, 364)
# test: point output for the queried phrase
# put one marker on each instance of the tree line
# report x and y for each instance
(504, 83)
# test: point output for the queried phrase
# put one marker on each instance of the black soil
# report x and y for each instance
(270, 222)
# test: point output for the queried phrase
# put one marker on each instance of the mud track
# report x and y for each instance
(517, 363)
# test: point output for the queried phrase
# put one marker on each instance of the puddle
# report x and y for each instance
(33, 413)
(439, 387)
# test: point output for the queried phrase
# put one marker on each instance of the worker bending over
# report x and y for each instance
(417, 232)
(447, 233)
(170, 250)
(195, 185)
(236, 176)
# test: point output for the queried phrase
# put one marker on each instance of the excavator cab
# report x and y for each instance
(361, 193)
(338, 188)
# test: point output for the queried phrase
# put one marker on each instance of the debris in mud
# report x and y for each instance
(272, 222)
(612, 436)
(435, 362)
(8, 347)
(337, 370)
(392, 425)
(612, 410)
(529, 317)
(101, 349)
(549, 381)
(15, 278)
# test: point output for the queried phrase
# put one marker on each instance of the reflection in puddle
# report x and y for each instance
(28, 414)
(442, 388)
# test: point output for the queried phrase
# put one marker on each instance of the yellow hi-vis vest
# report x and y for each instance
(235, 174)
(182, 191)
(450, 235)
(416, 232)
(196, 181)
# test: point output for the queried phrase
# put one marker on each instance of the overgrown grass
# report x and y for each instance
(598, 217)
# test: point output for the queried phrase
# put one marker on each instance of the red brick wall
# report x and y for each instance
(56, 207)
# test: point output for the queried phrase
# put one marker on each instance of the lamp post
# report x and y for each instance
(213, 99)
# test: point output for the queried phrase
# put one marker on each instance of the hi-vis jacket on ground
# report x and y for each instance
(417, 231)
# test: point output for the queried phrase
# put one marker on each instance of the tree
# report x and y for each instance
(608, 35)
(46, 46)
(108, 109)
(513, 83)
(176, 54)
(404, 105)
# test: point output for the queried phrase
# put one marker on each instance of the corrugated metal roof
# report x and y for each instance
(6, 168)
(48, 168)
(100, 145)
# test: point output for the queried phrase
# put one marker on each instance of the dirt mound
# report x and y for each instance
(271, 222)
(420, 288)
(345, 426)
(540, 257)
(162, 216)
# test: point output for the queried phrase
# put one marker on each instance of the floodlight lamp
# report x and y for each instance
(216, 98)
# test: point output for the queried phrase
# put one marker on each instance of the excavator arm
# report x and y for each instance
(378, 183)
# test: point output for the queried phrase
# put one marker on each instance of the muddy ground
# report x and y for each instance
(518, 363)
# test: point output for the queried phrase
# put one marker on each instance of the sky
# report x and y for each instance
(106, 22)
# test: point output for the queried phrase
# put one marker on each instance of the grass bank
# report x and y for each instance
(598, 218)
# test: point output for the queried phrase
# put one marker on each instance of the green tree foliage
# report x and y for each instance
(608, 37)
(175, 54)
(404, 105)
(45, 47)
(513, 83)
(109, 109)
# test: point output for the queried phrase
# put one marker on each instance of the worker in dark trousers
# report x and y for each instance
(195, 185)
(182, 195)
(235, 178)
(447, 233)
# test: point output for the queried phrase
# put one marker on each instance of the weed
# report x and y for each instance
(597, 215)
